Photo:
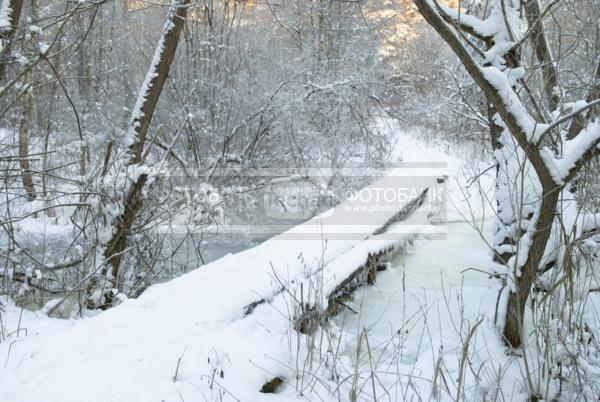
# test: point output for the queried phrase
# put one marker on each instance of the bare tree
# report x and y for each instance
(135, 136)
(308, 97)
(498, 70)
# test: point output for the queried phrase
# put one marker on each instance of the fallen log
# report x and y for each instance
(311, 316)
(367, 272)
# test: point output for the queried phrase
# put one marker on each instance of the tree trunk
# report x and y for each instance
(516, 300)
(83, 86)
(24, 126)
(578, 123)
(7, 33)
(136, 134)
(543, 217)
(543, 53)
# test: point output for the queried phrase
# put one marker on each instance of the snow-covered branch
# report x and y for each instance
(154, 80)
(468, 23)
(575, 153)
(495, 83)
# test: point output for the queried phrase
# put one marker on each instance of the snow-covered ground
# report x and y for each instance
(189, 339)
(418, 316)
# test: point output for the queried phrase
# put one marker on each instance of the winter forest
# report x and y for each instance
(299, 200)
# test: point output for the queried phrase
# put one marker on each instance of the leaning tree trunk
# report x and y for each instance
(136, 135)
(520, 128)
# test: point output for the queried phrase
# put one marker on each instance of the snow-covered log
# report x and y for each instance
(356, 266)
(204, 312)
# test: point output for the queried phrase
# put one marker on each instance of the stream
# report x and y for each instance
(423, 298)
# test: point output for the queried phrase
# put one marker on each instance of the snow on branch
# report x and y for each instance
(495, 81)
(502, 27)
(5, 14)
(468, 23)
(154, 80)
(500, 30)
(574, 153)
(503, 82)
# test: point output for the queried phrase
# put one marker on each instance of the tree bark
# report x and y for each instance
(24, 127)
(84, 87)
(578, 123)
(168, 42)
(7, 34)
(515, 309)
(543, 53)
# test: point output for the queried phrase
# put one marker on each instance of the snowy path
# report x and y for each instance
(188, 339)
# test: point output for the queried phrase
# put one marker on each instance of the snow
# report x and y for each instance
(572, 152)
(418, 318)
(17, 323)
(502, 83)
(146, 88)
(467, 198)
(190, 339)
(577, 106)
(5, 12)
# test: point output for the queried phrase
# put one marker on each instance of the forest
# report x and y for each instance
(284, 200)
